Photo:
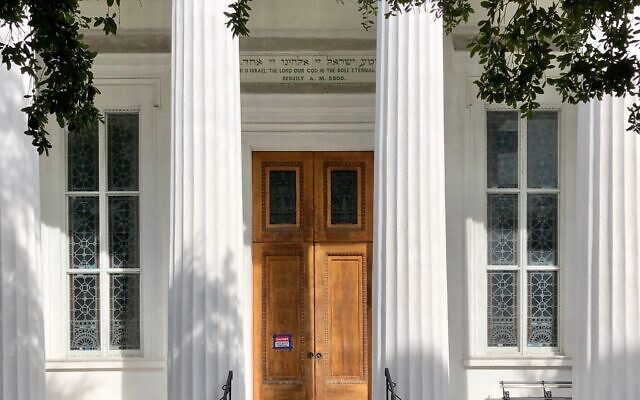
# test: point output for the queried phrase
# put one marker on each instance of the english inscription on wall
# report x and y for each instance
(307, 68)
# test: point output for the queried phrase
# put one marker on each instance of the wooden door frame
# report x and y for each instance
(268, 124)
(301, 243)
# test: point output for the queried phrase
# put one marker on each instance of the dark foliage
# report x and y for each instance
(580, 48)
(50, 49)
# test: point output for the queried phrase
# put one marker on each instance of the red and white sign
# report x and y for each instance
(282, 342)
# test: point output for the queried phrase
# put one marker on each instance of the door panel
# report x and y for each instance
(343, 193)
(312, 232)
(342, 320)
(282, 196)
(283, 309)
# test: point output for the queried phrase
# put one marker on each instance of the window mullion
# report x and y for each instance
(92, 158)
(535, 244)
(104, 242)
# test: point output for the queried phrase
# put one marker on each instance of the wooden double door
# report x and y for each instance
(312, 234)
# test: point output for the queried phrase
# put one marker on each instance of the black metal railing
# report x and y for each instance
(226, 388)
(391, 386)
(545, 386)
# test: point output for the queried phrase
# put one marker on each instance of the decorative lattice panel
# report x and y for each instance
(503, 309)
(85, 314)
(502, 232)
(542, 228)
(542, 150)
(282, 197)
(543, 309)
(344, 197)
(82, 159)
(122, 151)
(125, 312)
(83, 232)
(124, 232)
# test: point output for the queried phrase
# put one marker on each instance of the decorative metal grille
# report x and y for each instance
(543, 309)
(542, 150)
(85, 314)
(344, 197)
(122, 151)
(502, 229)
(124, 232)
(83, 232)
(282, 197)
(82, 160)
(504, 205)
(542, 226)
(125, 312)
(503, 309)
(502, 149)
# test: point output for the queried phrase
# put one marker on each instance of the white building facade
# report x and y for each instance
(307, 207)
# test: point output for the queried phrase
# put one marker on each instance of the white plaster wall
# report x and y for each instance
(474, 377)
(288, 18)
(281, 122)
(315, 18)
(140, 81)
(107, 385)
(135, 14)
(270, 122)
(330, 18)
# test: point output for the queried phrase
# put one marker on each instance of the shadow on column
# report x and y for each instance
(216, 336)
(21, 314)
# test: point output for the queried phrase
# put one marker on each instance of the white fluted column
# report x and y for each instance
(410, 334)
(608, 253)
(207, 325)
(21, 314)
(607, 267)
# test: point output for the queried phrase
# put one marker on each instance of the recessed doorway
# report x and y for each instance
(312, 240)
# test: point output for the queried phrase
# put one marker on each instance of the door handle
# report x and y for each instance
(319, 356)
(310, 355)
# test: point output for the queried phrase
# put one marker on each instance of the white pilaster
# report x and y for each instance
(207, 325)
(21, 314)
(410, 334)
(608, 253)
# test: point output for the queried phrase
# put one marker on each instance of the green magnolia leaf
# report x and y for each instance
(539, 44)
(54, 54)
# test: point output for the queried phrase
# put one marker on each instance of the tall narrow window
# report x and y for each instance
(104, 235)
(522, 230)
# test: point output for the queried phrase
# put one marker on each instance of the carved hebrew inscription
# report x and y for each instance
(307, 68)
